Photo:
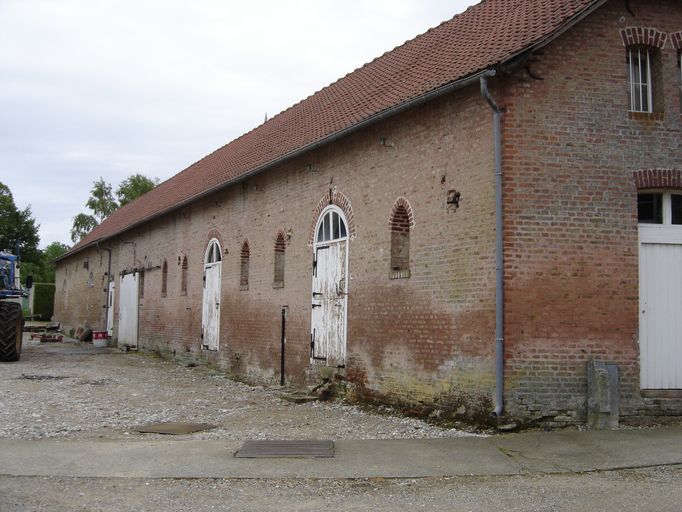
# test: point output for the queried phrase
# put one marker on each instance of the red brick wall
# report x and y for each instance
(571, 249)
(570, 151)
(417, 339)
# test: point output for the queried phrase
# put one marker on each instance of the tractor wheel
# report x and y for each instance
(11, 331)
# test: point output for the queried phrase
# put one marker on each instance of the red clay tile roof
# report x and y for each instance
(480, 38)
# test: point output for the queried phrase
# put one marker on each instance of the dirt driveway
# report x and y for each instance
(71, 390)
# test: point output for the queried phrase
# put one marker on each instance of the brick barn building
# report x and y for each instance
(460, 225)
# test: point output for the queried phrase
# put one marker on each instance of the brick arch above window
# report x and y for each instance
(644, 36)
(658, 178)
(244, 257)
(676, 39)
(400, 208)
(340, 200)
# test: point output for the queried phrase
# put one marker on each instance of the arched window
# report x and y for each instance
(331, 226)
(400, 225)
(280, 247)
(213, 252)
(244, 266)
(164, 279)
(183, 278)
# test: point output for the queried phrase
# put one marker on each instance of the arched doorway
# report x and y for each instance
(330, 289)
(210, 318)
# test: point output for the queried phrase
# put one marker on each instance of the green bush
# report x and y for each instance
(43, 300)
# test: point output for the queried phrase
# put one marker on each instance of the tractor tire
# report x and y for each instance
(11, 331)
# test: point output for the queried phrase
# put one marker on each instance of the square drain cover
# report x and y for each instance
(273, 449)
(174, 429)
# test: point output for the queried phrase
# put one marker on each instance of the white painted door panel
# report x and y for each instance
(128, 310)
(211, 306)
(330, 300)
(660, 315)
(110, 310)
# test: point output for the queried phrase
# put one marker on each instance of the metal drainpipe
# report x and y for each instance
(499, 255)
(106, 312)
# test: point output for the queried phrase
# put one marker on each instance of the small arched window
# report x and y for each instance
(280, 248)
(244, 266)
(164, 279)
(331, 227)
(183, 277)
(213, 252)
(400, 225)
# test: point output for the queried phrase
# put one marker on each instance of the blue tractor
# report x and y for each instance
(11, 318)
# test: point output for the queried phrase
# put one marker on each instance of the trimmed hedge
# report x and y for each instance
(43, 300)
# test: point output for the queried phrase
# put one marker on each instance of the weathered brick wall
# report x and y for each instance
(422, 338)
(570, 151)
(571, 242)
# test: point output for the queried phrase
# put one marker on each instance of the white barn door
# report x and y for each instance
(210, 317)
(660, 290)
(330, 292)
(110, 308)
(660, 315)
(128, 310)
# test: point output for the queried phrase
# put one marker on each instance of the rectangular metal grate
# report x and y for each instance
(276, 449)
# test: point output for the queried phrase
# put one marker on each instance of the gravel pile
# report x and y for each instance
(67, 390)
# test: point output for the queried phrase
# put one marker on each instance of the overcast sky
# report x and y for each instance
(110, 88)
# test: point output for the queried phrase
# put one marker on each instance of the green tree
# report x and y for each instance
(43, 269)
(18, 228)
(102, 203)
(101, 200)
(82, 225)
(133, 187)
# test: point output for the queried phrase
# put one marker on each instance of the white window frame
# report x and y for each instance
(666, 232)
(327, 213)
(637, 84)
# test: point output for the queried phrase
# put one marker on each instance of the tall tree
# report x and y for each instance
(18, 228)
(102, 203)
(133, 187)
(101, 200)
(82, 225)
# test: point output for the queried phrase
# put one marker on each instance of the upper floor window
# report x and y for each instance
(640, 84)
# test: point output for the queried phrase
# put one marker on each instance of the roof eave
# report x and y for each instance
(397, 109)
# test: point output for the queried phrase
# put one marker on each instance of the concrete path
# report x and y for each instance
(512, 454)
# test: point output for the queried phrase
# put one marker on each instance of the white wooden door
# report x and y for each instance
(110, 308)
(210, 323)
(128, 310)
(329, 304)
(660, 314)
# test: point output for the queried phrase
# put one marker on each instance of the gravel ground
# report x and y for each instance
(68, 390)
(651, 489)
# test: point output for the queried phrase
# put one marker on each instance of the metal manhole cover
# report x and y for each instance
(274, 449)
(175, 429)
